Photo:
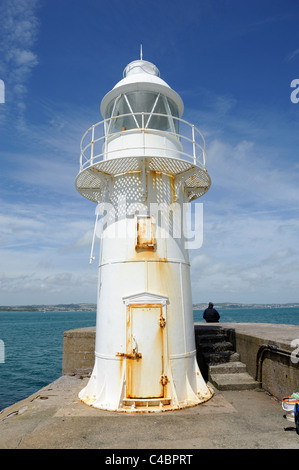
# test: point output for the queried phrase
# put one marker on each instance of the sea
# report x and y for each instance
(31, 343)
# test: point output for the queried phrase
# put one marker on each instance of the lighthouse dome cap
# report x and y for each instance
(141, 71)
(141, 66)
(141, 75)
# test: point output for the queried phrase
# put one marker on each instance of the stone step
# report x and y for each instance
(210, 330)
(220, 357)
(220, 346)
(233, 367)
(145, 402)
(241, 381)
(210, 338)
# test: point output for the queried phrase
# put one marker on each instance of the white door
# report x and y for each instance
(144, 352)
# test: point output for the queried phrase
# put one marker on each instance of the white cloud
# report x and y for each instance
(44, 252)
(250, 232)
(23, 58)
(250, 176)
(45, 225)
(292, 55)
(18, 34)
(65, 286)
(251, 257)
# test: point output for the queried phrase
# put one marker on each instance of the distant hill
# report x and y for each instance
(86, 307)
(230, 305)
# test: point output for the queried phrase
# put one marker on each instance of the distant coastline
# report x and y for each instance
(230, 305)
(90, 307)
(84, 307)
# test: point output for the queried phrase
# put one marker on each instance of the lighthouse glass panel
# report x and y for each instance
(142, 109)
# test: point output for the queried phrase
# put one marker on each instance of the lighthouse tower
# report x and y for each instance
(142, 164)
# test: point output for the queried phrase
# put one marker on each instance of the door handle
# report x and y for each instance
(134, 354)
(135, 345)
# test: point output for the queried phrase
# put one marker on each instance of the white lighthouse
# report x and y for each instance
(142, 164)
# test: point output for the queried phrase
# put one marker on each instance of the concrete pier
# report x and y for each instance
(276, 371)
(54, 417)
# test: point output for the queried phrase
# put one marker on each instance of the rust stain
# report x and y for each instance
(162, 320)
(133, 355)
(164, 379)
(145, 306)
(145, 234)
(144, 254)
(128, 317)
(140, 247)
(172, 189)
(161, 276)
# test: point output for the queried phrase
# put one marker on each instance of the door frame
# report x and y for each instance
(148, 299)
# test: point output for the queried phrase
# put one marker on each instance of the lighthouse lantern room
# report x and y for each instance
(142, 164)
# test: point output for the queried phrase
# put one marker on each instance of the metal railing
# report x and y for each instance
(94, 144)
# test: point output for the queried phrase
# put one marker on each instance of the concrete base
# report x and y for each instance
(54, 418)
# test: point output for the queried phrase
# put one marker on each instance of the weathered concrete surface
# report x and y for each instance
(280, 376)
(54, 418)
(78, 350)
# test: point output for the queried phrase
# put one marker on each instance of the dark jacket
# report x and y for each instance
(210, 314)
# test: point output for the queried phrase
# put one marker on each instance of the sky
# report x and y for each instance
(231, 61)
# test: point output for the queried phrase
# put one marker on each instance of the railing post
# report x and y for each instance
(204, 157)
(92, 144)
(106, 133)
(143, 132)
(193, 142)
